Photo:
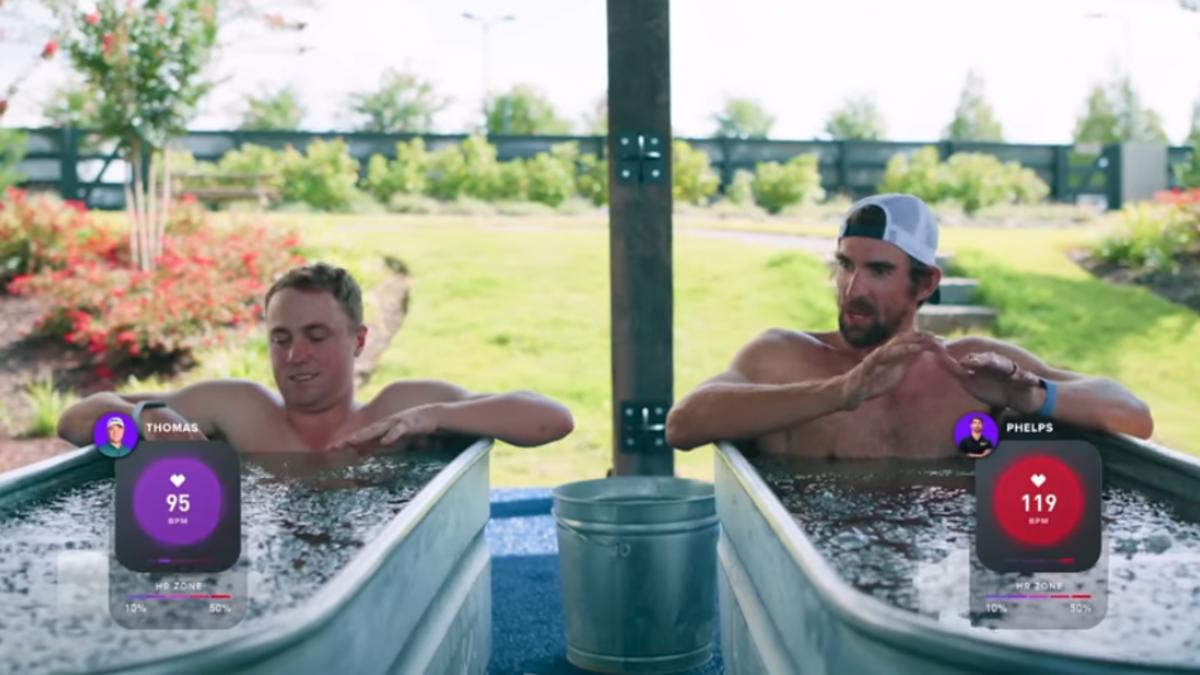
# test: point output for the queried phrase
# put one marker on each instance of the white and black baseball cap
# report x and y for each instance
(903, 221)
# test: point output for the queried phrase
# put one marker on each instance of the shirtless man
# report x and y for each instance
(877, 387)
(315, 328)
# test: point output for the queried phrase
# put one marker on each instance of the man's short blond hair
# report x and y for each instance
(322, 277)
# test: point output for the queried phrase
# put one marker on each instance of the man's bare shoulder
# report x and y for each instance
(405, 394)
(781, 354)
(213, 395)
(790, 342)
(977, 343)
(227, 391)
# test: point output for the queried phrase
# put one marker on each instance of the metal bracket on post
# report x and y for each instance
(640, 158)
(644, 426)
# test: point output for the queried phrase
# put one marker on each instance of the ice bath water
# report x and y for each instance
(901, 532)
(301, 524)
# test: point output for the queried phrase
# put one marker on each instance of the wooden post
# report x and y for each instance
(639, 106)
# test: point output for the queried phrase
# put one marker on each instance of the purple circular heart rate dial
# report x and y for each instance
(177, 501)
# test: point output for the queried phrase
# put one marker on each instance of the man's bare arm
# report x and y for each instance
(1084, 401)
(727, 407)
(747, 401)
(203, 403)
(520, 418)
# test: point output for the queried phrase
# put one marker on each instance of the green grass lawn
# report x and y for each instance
(495, 310)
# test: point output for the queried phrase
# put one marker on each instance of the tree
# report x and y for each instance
(12, 151)
(1189, 172)
(404, 103)
(524, 110)
(859, 119)
(742, 118)
(1114, 114)
(973, 118)
(145, 65)
(1193, 137)
(72, 105)
(1098, 123)
(595, 123)
(280, 109)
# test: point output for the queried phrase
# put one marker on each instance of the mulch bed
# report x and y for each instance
(23, 361)
(1182, 287)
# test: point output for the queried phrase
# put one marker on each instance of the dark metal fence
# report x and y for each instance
(66, 160)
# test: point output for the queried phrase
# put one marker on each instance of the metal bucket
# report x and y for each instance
(638, 559)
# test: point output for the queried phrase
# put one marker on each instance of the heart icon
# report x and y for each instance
(178, 478)
(1038, 479)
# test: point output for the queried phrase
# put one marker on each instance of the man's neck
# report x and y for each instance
(976, 435)
(908, 325)
(318, 427)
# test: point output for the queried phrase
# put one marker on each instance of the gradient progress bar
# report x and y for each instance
(136, 597)
(1027, 596)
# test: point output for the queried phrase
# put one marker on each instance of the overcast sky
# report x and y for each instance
(799, 58)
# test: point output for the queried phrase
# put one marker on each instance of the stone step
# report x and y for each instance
(948, 319)
(958, 290)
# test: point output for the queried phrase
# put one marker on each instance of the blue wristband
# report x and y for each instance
(1051, 388)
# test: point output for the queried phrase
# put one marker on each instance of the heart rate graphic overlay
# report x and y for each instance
(1039, 501)
(177, 500)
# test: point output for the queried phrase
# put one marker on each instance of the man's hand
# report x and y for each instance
(998, 381)
(166, 416)
(883, 368)
(403, 426)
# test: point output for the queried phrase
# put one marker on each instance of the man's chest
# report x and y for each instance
(270, 431)
(916, 419)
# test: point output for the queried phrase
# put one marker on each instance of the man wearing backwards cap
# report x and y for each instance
(115, 447)
(877, 387)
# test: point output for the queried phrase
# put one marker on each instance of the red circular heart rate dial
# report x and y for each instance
(1038, 501)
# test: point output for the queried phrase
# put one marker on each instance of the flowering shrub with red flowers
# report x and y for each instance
(207, 282)
(187, 216)
(1178, 197)
(44, 232)
(1161, 238)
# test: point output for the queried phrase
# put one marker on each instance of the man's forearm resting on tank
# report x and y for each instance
(1097, 403)
(518, 418)
(1081, 400)
(75, 425)
(735, 410)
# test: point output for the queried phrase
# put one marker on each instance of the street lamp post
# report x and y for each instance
(486, 23)
(1126, 27)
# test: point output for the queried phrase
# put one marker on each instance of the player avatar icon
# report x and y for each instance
(976, 435)
(115, 435)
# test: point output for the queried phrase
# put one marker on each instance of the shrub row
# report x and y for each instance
(1156, 238)
(326, 177)
(971, 180)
